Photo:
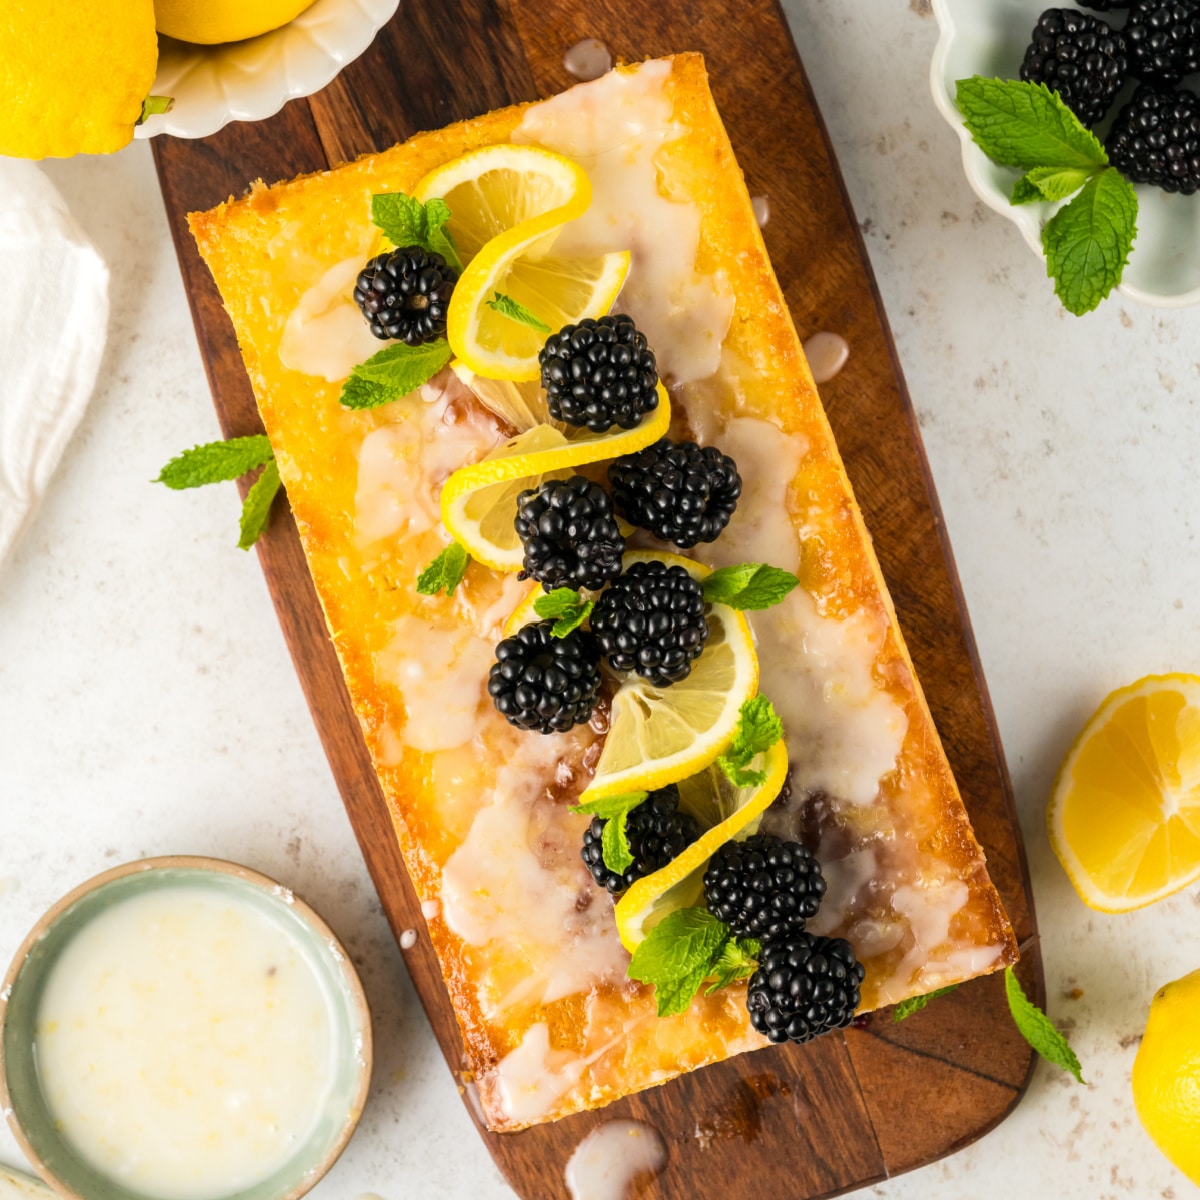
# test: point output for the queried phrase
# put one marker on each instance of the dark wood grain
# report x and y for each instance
(800, 1122)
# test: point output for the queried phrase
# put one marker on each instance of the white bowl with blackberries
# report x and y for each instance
(1081, 124)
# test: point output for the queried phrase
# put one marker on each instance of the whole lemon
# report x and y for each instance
(73, 74)
(213, 21)
(1166, 1074)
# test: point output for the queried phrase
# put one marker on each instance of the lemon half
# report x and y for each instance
(1124, 817)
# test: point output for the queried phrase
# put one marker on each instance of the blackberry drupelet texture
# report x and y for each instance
(763, 887)
(569, 533)
(657, 833)
(678, 491)
(540, 682)
(1163, 37)
(804, 986)
(1080, 57)
(405, 295)
(599, 373)
(652, 621)
(1156, 139)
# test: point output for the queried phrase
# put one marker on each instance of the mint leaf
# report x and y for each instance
(738, 960)
(408, 222)
(446, 571)
(748, 586)
(610, 806)
(1037, 1028)
(1087, 243)
(677, 955)
(759, 728)
(906, 1008)
(568, 606)
(614, 844)
(394, 372)
(256, 508)
(1049, 183)
(1026, 125)
(216, 462)
(506, 306)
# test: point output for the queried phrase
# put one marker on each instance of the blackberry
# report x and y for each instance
(569, 533)
(1080, 57)
(545, 683)
(657, 833)
(763, 887)
(599, 373)
(652, 621)
(405, 295)
(804, 986)
(1156, 139)
(678, 491)
(1164, 39)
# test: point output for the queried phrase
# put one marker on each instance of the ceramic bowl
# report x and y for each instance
(988, 37)
(21, 1096)
(250, 80)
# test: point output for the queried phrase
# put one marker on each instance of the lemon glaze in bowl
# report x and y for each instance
(988, 37)
(253, 79)
(299, 944)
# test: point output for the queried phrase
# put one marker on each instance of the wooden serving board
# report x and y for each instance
(846, 1110)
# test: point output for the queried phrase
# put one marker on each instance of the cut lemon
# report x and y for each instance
(479, 502)
(508, 205)
(659, 735)
(496, 188)
(731, 812)
(521, 405)
(1124, 817)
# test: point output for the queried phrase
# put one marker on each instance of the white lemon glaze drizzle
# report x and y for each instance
(611, 1157)
(325, 334)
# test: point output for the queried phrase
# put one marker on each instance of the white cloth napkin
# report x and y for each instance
(53, 325)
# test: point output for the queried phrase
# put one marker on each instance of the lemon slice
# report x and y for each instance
(659, 735)
(708, 796)
(1124, 816)
(521, 405)
(479, 502)
(508, 205)
(496, 188)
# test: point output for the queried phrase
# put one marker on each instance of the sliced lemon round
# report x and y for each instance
(479, 502)
(659, 735)
(1124, 817)
(731, 812)
(496, 188)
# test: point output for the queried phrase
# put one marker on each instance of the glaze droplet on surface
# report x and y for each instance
(762, 209)
(826, 353)
(588, 59)
(408, 939)
(430, 909)
(611, 1157)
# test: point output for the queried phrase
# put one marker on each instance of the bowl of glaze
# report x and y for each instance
(253, 79)
(989, 37)
(285, 1041)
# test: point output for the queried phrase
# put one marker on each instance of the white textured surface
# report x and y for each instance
(147, 704)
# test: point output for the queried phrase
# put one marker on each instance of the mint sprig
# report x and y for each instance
(1037, 1028)
(748, 586)
(913, 1004)
(446, 571)
(506, 306)
(567, 606)
(1088, 241)
(219, 462)
(684, 949)
(394, 372)
(759, 728)
(407, 222)
(614, 841)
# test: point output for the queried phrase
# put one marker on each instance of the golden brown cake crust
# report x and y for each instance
(263, 266)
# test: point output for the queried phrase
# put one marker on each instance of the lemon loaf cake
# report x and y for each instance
(504, 827)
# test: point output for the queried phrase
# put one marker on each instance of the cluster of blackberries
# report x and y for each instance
(650, 618)
(1155, 137)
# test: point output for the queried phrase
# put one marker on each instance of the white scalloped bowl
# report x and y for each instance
(254, 79)
(988, 37)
